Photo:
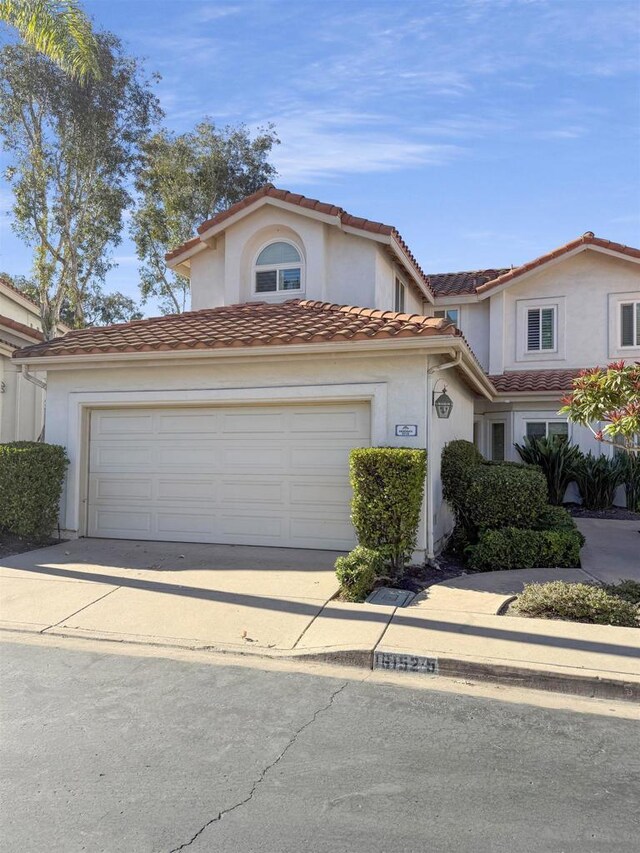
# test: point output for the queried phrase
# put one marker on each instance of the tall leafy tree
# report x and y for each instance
(185, 180)
(59, 30)
(73, 147)
(99, 308)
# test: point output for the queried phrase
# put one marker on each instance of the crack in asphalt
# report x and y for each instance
(264, 772)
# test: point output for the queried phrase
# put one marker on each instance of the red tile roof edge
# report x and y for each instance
(17, 290)
(587, 239)
(271, 191)
(535, 381)
(21, 327)
(405, 325)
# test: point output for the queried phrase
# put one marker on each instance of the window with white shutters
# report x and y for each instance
(541, 329)
(630, 324)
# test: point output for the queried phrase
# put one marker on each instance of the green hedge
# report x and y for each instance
(31, 477)
(459, 460)
(514, 548)
(504, 495)
(388, 487)
(357, 572)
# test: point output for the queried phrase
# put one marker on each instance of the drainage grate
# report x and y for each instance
(391, 597)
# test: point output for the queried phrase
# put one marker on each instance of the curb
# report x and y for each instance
(590, 685)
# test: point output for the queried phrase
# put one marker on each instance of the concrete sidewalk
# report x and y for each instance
(612, 550)
(279, 602)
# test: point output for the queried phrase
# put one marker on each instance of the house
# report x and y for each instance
(21, 401)
(312, 332)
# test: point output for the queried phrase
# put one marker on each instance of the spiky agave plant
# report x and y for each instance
(558, 460)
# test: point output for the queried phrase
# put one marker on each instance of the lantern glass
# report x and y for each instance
(443, 405)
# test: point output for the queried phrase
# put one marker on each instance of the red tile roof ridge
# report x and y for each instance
(586, 239)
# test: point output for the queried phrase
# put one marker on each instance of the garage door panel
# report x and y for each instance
(270, 475)
(187, 488)
(106, 487)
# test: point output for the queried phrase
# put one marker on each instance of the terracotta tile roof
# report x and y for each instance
(8, 323)
(17, 290)
(519, 381)
(249, 324)
(345, 218)
(587, 239)
(460, 283)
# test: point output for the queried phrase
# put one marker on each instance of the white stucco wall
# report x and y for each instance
(339, 267)
(395, 384)
(581, 286)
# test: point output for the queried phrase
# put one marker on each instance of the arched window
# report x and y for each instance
(278, 267)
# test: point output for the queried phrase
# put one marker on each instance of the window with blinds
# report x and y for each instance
(541, 329)
(630, 324)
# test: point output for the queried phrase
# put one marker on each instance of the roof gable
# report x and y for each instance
(331, 213)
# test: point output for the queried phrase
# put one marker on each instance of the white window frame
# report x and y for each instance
(278, 292)
(523, 353)
(636, 326)
(546, 422)
(442, 313)
(554, 315)
(399, 296)
(616, 301)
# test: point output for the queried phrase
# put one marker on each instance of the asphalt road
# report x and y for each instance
(128, 754)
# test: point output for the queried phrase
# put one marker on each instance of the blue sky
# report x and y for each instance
(486, 131)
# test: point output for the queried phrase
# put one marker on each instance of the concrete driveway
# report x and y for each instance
(169, 593)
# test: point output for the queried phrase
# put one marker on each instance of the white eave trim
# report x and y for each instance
(583, 247)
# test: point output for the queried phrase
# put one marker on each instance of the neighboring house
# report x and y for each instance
(535, 327)
(21, 401)
(233, 423)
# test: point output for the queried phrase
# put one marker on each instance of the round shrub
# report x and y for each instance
(388, 487)
(357, 572)
(513, 548)
(505, 495)
(31, 477)
(578, 602)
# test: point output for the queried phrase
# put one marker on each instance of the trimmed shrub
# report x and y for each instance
(631, 465)
(31, 477)
(556, 458)
(505, 495)
(579, 602)
(458, 462)
(598, 477)
(514, 548)
(388, 487)
(556, 518)
(357, 572)
(629, 590)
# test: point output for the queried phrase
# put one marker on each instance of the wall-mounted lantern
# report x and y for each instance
(443, 404)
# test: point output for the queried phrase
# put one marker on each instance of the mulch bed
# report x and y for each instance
(10, 545)
(615, 513)
(443, 568)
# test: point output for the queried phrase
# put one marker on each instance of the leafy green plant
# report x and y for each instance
(629, 590)
(517, 548)
(388, 487)
(556, 457)
(597, 478)
(503, 495)
(555, 518)
(631, 464)
(31, 477)
(357, 572)
(578, 602)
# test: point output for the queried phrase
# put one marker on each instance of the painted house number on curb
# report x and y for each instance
(405, 663)
(407, 430)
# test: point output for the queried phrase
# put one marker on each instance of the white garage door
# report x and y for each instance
(259, 475)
